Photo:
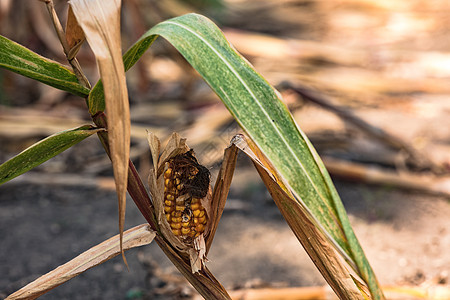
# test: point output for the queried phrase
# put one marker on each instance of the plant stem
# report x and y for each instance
(204, 281)
(135, 187)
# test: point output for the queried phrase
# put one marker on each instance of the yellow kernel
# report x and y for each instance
(195, 206)
(177, 232)
(200, 228)
(168, 209)
(176, 219)
(202, 220)
(196, 221)
(168, 173)
(170, 197)
(179, 207)
(168, 217)
(185, 224)
(175, 225)
(168, 203)
(196, 213)
(202, 213)
(195, 200)
(192, 233)
(168, 183)
(185, 231)
(180, 187)
(177, 181)
(176, 214)
(197, 234)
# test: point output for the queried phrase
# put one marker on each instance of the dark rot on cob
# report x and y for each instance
(186, 182)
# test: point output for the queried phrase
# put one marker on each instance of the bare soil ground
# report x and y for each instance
(404, 235)
(385, 60)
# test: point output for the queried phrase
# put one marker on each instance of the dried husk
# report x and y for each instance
(196, 251)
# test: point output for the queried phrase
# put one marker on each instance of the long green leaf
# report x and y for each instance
(43, 151)
(257, 107)
(21, 60)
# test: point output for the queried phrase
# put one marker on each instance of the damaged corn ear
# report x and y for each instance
(185, 183)
(181, 193)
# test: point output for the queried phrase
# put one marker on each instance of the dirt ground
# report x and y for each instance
(405, 236)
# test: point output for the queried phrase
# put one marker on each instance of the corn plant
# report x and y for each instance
(182, 210)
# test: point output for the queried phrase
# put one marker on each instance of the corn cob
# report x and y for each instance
(186, 182)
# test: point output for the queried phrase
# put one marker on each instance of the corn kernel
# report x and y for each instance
(200, 228)
(176, 219)
(195, 206)
(168, 203)
(168, 209)
(185, 231)
(202, 220)
(168, 183)
(168, 173)
(177, 232)
(170, 197)
(185, 224)
(201, 214)
(175, 225)
(179, 208)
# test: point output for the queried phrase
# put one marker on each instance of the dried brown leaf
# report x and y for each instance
(220, 192)
(323, 253)
(74, 35)
(100, 21)
(134, 237)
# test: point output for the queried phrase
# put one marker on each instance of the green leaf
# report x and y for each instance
(43, 151)
(17, 58)
(258, 108)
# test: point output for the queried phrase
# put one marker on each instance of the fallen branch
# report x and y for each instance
(415, 158)
(374, 175)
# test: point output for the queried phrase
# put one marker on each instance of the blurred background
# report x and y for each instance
(367, 81)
